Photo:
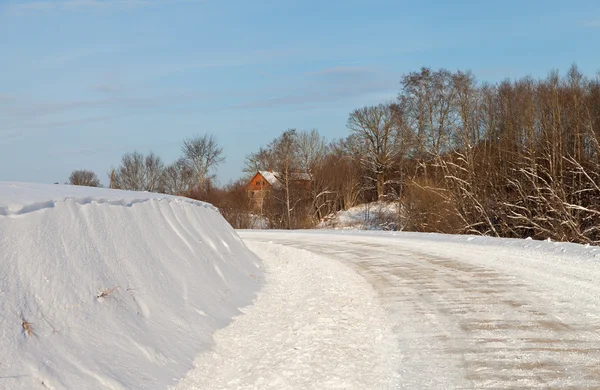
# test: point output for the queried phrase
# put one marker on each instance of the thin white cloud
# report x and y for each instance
(24, 116)
(45, 5)
(107, 88)
(37, 110)
(337, 70)
(332, 94)
(7, 99)
(592, 23)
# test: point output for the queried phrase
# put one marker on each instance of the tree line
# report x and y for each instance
(512, 159)
(190, 175)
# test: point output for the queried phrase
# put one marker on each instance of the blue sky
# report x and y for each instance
(84, 81)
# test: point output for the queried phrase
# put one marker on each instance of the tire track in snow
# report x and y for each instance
(315, 325)
(462, 322)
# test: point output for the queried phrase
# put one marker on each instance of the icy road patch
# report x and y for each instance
(315, 325)
(476, 312)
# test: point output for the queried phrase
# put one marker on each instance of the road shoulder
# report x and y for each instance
(315, 324)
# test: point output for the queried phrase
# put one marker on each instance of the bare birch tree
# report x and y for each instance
(202, 154)
(312, 152)
(285, 153)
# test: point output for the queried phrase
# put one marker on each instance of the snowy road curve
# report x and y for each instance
(477, 313)
(315, 324)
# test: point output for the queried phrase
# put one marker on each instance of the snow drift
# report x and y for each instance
(377, 215)
(112, 289)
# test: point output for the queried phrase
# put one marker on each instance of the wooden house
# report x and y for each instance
(264, 181)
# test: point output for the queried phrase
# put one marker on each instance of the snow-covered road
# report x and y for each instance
(316, 324)
(476, 312)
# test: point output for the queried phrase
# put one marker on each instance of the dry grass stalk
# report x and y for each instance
(27, 327)
(106, 292)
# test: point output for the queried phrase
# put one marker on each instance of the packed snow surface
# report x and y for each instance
(315, 325)
(475, 312)
(113, 289)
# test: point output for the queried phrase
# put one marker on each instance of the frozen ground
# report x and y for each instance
(472, 312)
(105, 289)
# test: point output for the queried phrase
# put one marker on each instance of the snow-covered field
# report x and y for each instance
(112, 289)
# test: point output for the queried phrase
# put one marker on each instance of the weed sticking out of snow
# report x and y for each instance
(106, 292)
(27, 328)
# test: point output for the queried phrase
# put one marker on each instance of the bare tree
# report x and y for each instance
(285, 152)
(262, 160)
(429, 100)
(312, 149)
(178, 178)
(312, 152)
(235, 206)
(139, 173)
(347, 172)
(378, 138)
(202, 154)
(84, 177)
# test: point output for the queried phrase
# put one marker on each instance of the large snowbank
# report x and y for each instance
(112, 289)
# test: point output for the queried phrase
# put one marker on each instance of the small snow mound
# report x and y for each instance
(112, 289)
(368, 216)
